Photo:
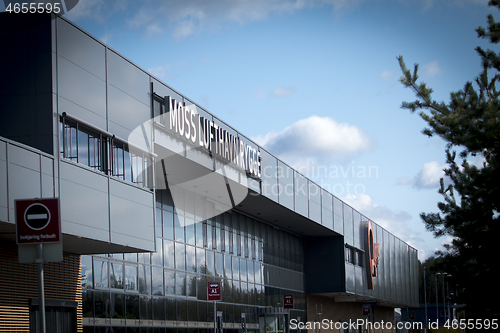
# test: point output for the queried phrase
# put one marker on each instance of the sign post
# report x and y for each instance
(213, 294)
(37, 223)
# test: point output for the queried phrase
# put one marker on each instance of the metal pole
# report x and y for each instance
(215, 318)
(444, 298)
(425, 300)
(39, 263)
(437, 301)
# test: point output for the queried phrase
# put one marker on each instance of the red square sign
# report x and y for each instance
(213, 291)
(38, 221)
(288, 301)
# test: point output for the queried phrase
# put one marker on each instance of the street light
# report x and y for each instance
(425, 300)
(437, 300)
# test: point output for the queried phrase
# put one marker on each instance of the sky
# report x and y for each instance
(316, 83)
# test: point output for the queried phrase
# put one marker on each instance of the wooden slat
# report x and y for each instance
(19, 283)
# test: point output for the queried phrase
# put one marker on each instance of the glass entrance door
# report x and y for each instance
(273, 323)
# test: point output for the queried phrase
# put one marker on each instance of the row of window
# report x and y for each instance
(354, 256)
(134, 277)
(104, 153)
(231, 233)
(100, 304)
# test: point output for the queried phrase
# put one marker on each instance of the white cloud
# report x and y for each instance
(184, 18)
(432, 68)
(281, 92)
(386, 75)
(428, 177)
(316, 137)
(396, 222)
(159, 71)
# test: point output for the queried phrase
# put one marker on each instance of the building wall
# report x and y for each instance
(19, 286)
(336, 312)
(255, 263)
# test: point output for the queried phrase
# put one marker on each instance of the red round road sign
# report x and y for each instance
(37, 221)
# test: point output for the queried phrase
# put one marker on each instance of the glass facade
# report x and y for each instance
(256, 264)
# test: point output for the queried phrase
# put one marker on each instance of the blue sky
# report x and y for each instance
(314, 82)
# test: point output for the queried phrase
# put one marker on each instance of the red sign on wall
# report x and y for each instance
(37, 221)
(213, 291)
(288, 301)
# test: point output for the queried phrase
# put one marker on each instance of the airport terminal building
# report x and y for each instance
(158, 197)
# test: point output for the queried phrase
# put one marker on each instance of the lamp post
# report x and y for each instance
(437, 300)
(444, 297)
(425, 300)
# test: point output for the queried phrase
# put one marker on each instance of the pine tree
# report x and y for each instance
(469, 212)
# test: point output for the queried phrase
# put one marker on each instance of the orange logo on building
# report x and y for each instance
(373, 252)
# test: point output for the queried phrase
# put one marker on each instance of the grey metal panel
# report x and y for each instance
(315, 211)
(350, 283)
(327, 218)
(348, 225)
(47, 168)
(125, 113)
(387, 266)
(285, 174)
(286, 197)
(83, 89)
(360, 279)
(98, 120)
(314, 193)
(23, 176)
(84, 202)
(301, 194)
(81, 49)
(358, 237)
(128, 78)
(338, 216)
(269, 166)
(131, 215)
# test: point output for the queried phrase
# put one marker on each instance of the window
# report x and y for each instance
(84, 144)
(354, 255)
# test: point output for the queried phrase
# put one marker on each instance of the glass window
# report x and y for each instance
(117, 307)
(199, 234)
(228, 270)
(131, 277)
(219, 265)
(180, 284)
(168, 254)
(191, 285)
(157, 284)
(236, 268)
(190, 258)
(101, 273)
(169, 282)
(168, 225)
(243, 270)
(132, 306)
(116, 275)
(251, 273)
(189, 228)
(200, 261)
(144, 279)
(179, 228)
(180, 256)
(86, 268)
(158, 224)
(210, 263)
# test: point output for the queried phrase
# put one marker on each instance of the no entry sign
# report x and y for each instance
(37, 221)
